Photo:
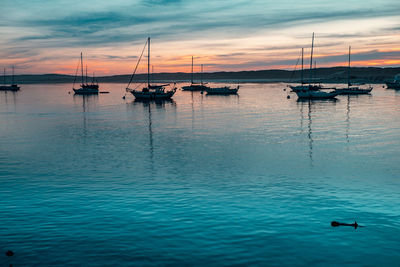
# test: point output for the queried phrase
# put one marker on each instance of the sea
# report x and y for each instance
(249, 179)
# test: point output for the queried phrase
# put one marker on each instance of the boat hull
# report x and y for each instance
(86, 91)
(152, 95)
(310, 94)
(13, 87)
(354, 91)
(222, 91)
(299, 88)
(194, 88)
(393, 85)
(90, 86)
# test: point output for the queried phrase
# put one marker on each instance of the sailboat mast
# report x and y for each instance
(82, 66)
(348, 70)
(192, 70)
(302, 66)
(12, 75)
(201, 76)
(315, 70)
(148, 62)
(311, 59)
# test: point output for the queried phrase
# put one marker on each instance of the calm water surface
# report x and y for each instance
(200, 180)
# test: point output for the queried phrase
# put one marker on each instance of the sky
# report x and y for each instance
(39, 36)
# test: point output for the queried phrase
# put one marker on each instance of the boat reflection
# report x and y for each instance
(312, 106)
(148, 107)
(7, 96)
(85, 103)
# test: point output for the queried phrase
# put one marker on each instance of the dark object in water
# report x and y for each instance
(9, 253)
(336, 224)
(104, 92)
(288, 97)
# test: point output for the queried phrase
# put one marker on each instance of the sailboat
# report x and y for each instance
(353, 90)
(224, 90)
(395, 84)
(151, 92)
(86, 88)
(195, 86)
(314, 91)
(302, 86)
(13, 86)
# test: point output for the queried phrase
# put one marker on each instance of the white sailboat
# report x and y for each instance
(353, 90)
(151, 92)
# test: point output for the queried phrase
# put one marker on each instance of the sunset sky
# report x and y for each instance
(40, 36)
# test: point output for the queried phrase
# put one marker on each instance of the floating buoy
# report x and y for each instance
(284, 89)
(123, 97)
(9, 253)
(288, 97)
(69, 92)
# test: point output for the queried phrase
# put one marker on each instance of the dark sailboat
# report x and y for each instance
(13, 86)
(353, 90)
(311, 91)
(195, 86)
(151, 92)
(395, 84)
(86, 88)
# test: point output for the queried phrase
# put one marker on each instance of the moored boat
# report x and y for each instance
(151, 92)
(12, 86)
(225, 90)
(195, 86)
(86, 88)
(311, 91)
(316, 94)
(395, 84)
(353, 90)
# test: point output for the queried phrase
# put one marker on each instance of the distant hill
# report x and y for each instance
(326, 75)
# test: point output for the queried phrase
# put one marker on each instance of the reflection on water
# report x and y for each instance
(310, 104)
(10, 99)
(101, 180)
(88, 103)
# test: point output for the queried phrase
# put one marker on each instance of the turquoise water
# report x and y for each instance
(200, 180)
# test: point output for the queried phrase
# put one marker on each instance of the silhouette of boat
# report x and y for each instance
(195, 86)
(316, 94)
(86, 88)
(296, 88)
(304, 86)
(225, 90)
(395, 84)
(12, 86)
(311, 91)
(353, 90)
(151, 92)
